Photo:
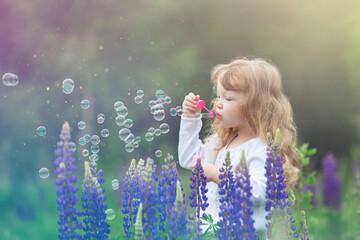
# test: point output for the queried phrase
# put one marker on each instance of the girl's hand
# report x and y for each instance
(210, 171)
(189, 106)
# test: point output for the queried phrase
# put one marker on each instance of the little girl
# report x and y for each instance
(250, 103)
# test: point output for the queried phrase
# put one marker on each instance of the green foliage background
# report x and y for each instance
(113, 48)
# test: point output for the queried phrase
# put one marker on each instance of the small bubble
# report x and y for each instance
(122, 111)
(173, 112)
(135, 144)
(85, 152)
(95, 139)
(87, 138)
(67, 86)
(118, 104)
(41, 131)
(44, 173)
(157, 132)
(158, 153)
(177, 108)
(140, 93)
(110, 214)
(167, 99)
(82, 141)
(105, 132)
(95, 148)
(71, 146)
(129, 147)
(120, 120)
(151, 130)
(115, 184)
(81, 125)
(152, 103)
(160, 93)
(85, 104)
(164, 128)
(160, 101)
(149, 137)
(94, 157)
(138, 139)
(10, 79)
(130, 138)
(100, 118)
(138, 99)
(126, 135)
(128, 123)
(180, 112)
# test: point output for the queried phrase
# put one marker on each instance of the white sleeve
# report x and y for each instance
(256, 164)
(190, 144)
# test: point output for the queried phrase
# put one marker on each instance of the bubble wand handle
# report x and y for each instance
(201, 104)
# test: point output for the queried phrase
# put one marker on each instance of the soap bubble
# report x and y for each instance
(82, 141)
(41, 131)
(44, 173)
(85, 104)
(95, 139)
(180, 112)
(157, 132)
(105, 132)
(115, 184)
(149, 137)
(71, 146)
(10, 80)
(110, 214)
(164, 128)
(120, 120)
(160, 93)
(124, 133)
(100, 118)
(129, 147)
(128, 123)
(135, 144)
(118, 104)
(138, 139)
(177, 108)
(159, 115)
(140, 93)
(168, 99)
(173, 112)
(138, 99)
(158, 153)
(95, 148)
(152, 103)
(160, 101)
(81, 125)
(130, 138)
(151, 130)
(94, 157)
(122, 111)
(85, 152)
(67, 86)
(87, 138)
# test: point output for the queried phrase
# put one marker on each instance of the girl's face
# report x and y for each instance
(228, 107)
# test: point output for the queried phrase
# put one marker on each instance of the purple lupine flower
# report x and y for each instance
(148, 196)
(130, 196)
(229, 217)
(66, 188)
(167, 189)
(242, 201)
(277, 204)
(94, 205)
(198, 194)
(177, 223)
(304, 230)
(331, 183)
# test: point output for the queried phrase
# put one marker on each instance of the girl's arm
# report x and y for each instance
(211, 171)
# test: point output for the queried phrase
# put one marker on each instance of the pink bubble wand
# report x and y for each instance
(201, 104)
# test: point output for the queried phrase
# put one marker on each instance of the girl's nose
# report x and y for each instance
(219, 104)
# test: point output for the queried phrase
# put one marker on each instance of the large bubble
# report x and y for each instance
(129, 147)
(95, 139)
(159, 115)
(110, 214)
(124, 133)
(173, 112)
(149, 136)
(157, 132)
(120, 120)
(128, 123)
(95, 148)
(118, 104)
(164, 128)
(122, 111)
(10, 79)
(71, 146)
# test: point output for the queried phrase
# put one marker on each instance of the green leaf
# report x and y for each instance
(312, 152)
(311, 178)
(303, 149)
(306, 161)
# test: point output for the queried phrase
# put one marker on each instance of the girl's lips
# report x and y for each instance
(218, 115)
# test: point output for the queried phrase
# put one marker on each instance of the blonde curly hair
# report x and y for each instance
(265, 108)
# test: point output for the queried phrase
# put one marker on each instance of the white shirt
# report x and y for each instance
(255, 156)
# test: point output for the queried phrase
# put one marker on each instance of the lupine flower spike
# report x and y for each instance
(229, 217)
(66, 188)
(131, 193)
(94, 205)
(167, 189)
(198, 194)
(331, 183)
(177, 223)
(242, 201)
(277, 205)
(139, 231)
(304, 231)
